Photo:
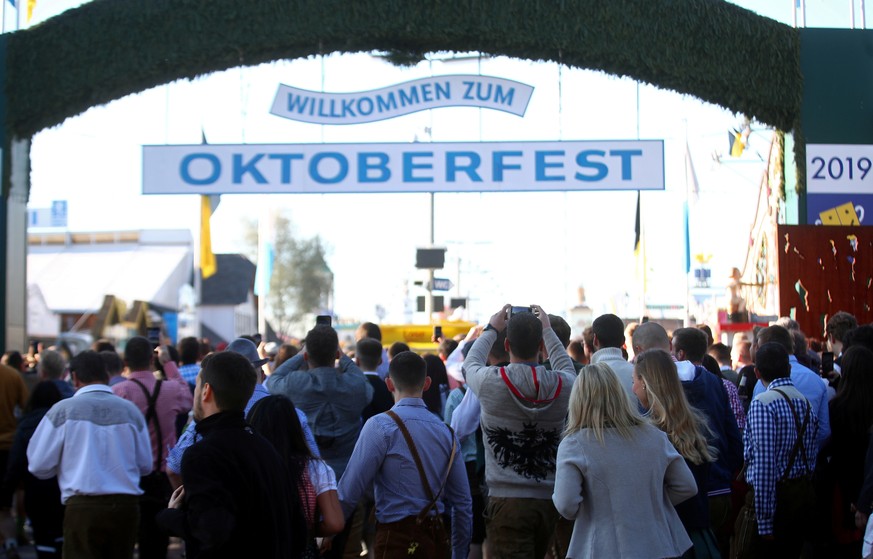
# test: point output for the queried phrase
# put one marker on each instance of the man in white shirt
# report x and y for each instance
(98, 445)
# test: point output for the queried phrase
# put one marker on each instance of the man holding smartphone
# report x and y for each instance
(523, 407)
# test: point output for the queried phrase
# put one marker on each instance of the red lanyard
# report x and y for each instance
(521, 396)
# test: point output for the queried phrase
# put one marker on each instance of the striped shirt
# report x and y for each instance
(770, 435)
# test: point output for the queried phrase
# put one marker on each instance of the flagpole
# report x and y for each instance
(642, 249)
(687, 222)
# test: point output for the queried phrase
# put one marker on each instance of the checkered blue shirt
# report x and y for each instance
(769, 437)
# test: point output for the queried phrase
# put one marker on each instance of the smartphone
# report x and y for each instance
(437, 332)
(154, 336)
(517, 310)
(827, 362)
(258, 339)
(324, 319)
(645, 319)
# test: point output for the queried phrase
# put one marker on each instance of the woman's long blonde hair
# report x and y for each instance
(598, 402)
(670, 411)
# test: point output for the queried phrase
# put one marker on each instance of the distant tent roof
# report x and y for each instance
(76, 276)
(231, 283)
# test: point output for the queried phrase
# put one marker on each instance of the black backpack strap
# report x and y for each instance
(152, 415)
(801, 430)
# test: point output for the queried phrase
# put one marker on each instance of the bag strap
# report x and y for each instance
(152, 415)
(801, 430)
(415, 456)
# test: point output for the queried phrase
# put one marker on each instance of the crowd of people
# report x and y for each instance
(514, 441)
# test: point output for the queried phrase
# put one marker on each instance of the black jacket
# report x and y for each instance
(239, 500)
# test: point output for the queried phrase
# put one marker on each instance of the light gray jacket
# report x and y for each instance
(621, 493)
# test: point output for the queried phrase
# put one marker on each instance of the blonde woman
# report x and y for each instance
(618, 476)
(657, 386)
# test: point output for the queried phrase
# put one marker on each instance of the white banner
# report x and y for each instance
(836, 168)
(397, 100)
(407, 167)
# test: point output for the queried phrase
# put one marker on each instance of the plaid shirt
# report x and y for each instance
(769, 437)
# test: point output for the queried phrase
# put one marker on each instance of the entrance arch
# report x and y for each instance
(102, 51)
(105, 50)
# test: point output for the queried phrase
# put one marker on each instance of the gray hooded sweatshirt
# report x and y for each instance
(524, 410)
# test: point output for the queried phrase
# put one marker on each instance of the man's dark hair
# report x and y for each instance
(498, 350)
(840, 324)
(771, 360)
(189, 350)
(721, 352)
(205, 348)
(776, 334)
(397, 347)
(588, 339)
(14, 359)
(368, 330)
(322, 344)
(692, 341)
(103, 344)
(369, 352)
(525, 333)
(708, 331)
(113, 363)
(231, 377)
(407, 371)
(609, 330)
(89, 368)
(138, 353)
(561, 328)
(862, 336)
(447, 346)
(801, 347)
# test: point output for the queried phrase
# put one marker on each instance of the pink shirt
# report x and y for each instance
(175, 398)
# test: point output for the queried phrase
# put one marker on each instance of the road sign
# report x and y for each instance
(442, 284)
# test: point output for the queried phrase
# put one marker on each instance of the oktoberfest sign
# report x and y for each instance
(404, 167)
(402, 99)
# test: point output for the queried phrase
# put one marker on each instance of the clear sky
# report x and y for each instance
(520, 248)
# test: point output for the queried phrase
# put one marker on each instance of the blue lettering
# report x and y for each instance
(501, 97)
(583, 161)
(426, 92)
(498, 166)
(240, 169)
(409, 98)
(479, 92)
(386, 104)
(409, 166)
(542, 165)
(369, 107)
(338, 157)
(625, 155)
(297, 103)
(452, 166)
(333, 112)
(443, 90)
(321, 109)
(468, 91)
(381, 166)
(347, 107)
(285, 159)
(185, 168)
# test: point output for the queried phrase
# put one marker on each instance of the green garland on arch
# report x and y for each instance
(107, 49)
